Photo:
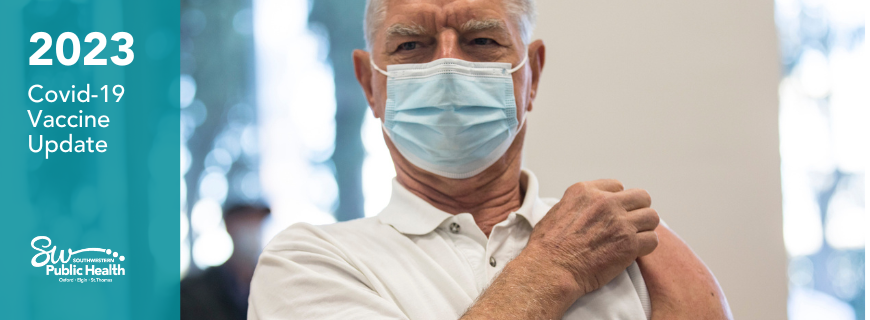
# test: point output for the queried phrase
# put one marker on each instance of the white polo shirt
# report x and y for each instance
(412, 261)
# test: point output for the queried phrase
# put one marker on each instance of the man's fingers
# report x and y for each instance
(644, 219)
(610, 185)
(647, 241)
(633, 199)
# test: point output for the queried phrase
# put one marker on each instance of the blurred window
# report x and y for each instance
(823, 144)
(271, 112)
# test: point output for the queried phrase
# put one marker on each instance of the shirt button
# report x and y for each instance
(492, 261)
(454, 227)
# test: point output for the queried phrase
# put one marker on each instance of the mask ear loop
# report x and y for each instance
(383, 125)
(522, 63)
(514, 69)
(372, 61)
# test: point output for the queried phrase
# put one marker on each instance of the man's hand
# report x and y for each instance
(589, 237)
(595, 232)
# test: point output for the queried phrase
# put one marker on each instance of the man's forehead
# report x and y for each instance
(435, 14)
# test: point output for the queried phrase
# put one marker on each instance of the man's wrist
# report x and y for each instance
(528, 288)
(548, 275)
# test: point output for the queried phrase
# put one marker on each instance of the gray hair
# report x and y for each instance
(524, 12)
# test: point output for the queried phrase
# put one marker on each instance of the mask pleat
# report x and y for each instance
(450, 116)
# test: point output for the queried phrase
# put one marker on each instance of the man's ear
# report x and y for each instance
(537, 56)
(362, 69)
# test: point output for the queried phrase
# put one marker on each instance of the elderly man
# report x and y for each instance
(465, 234)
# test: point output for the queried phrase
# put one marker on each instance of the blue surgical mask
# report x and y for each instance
(451, 117)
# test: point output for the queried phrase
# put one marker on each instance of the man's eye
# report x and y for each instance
(483, 41)
(408, 46)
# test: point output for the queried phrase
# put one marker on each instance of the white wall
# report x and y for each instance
(678, 97)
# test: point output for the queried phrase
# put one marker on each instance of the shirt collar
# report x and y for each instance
(410, 214)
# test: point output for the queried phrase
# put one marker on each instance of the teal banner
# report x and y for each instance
(89, 159)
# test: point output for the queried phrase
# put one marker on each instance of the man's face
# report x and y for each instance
(420, 31)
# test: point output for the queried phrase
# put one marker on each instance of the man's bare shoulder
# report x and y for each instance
(676, 277)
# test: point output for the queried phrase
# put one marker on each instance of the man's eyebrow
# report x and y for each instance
(400, 29)
(475, 25)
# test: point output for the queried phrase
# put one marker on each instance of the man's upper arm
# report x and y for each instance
(680, 285)
(303, 274)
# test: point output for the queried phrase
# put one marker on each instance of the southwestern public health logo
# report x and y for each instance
(99, 262)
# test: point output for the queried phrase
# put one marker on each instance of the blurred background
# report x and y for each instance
(746, 120)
